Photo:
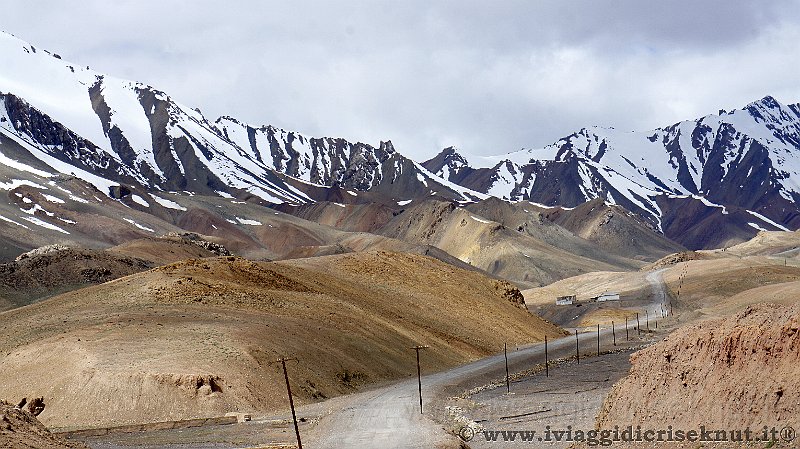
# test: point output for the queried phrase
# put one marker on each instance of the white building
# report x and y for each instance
(565, 300)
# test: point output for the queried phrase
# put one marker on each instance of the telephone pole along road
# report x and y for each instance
(389, 417)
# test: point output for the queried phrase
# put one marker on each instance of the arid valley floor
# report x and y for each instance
(197, 338)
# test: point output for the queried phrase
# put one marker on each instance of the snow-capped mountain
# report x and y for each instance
(746, 159)
(702, 183)
(112, 132)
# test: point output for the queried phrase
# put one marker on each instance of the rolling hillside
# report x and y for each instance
(196, 338)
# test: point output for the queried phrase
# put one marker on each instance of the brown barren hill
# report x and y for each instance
(20, 429)
(364, 217)
(781, 243)
(171, 248)
(676, 258)
(614, 229)
(199, 338)
(491, 246)
(54, 269)
(722, 284)
(741, 371)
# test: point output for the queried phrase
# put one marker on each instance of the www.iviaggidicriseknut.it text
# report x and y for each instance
(607, 437)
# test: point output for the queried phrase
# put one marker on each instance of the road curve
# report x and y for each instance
(389, 417)
(659, 298)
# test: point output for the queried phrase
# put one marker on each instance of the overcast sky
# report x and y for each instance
(487, 76)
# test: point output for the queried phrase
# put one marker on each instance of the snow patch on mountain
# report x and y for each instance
(463, 191)
(129, 116)
(506, 178)
(139, 200)
(142, 227)
(14, 183)
(249, 222)
(480, 220)
(39, 222)
(767, 220)
(99, 182)
(16, 165)
(169, 204)
(53, 199)
(8, 220)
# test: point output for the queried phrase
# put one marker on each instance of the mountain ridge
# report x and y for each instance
(143, 136)
(747, 158)
(126, 138)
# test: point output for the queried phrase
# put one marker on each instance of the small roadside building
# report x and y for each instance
(565, 300)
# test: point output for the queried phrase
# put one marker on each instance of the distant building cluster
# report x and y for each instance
(572, 299)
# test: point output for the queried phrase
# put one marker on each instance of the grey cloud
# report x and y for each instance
(490, 77)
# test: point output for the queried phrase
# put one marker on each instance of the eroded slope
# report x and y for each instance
(197, 338)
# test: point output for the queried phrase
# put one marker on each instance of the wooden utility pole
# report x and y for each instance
(638, 326)
(546, 360)
(577, 347)
(614, 333)
(505, 354)
(283, 361)
(419, 375)
(626, 328)
(598, 339)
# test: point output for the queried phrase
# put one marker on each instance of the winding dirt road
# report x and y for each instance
(659, 298)
(390, 417)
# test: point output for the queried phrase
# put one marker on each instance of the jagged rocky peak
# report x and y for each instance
(448, 162)
(776, 116)
(318, 160)
(768, 102)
